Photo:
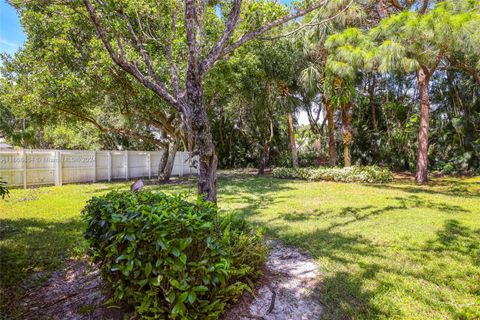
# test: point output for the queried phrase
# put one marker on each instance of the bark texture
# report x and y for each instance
(332, 147)
(347, 137)
(266, 150)
(293, 144)
(167, 160)
(422, 155)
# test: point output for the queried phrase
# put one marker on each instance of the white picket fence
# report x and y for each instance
(56, 167)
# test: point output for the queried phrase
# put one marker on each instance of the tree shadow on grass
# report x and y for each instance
(32, 248)
(342, 293)
(346, 290)
(457, 238)
(453, 188)
(255, 192)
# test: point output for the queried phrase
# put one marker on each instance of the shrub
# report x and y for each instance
(3, 189)
(167, 258)
(370, 174)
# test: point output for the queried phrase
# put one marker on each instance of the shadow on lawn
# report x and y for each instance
(459, 239)
(30, 249)
(342, 293)
(454, 188)
(256, 192)
(346, 290)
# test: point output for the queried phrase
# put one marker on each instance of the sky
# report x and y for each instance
(11, 33)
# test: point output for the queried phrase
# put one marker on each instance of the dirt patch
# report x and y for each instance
(286, 291)
(75, 293)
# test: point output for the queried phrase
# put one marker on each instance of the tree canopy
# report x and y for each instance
(247, 83)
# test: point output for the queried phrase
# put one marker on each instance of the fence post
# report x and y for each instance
(109, 166)
(58, 168)
(24, 167)
(126, 165)
(149, 164)
(181, 164)
(94, 166)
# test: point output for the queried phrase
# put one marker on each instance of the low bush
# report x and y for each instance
(170, 258)
(3, 189)
(370, 174)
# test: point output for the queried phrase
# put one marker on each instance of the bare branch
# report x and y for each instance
(440, 56)
(424, 7)
(462, 66)
(102, 128)
(311, 24)
(138, 43)
(192, 28)
(230, 25)
(255, 33)
(171, 60)
(121, 61)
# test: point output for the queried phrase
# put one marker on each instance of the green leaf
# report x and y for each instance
(200, 289)
(192, 296)
(148, 269)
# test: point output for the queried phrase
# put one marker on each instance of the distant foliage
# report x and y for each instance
(3, 189)
(368, 174)
(166, 257)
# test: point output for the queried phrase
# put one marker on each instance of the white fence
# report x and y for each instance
(55, 167)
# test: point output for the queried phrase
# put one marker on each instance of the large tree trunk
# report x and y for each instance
(202, 137)
(347, 137)
(332, 147)
(293, 145)
(422, 155)
(167, 160)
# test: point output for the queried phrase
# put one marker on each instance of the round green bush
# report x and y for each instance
(169, 258)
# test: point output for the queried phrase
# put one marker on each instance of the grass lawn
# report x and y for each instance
(396, 251)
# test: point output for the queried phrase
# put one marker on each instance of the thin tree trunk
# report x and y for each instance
(266, 149)
(347, 134)
(373, 111)
(293, 145)
(422, 155)
(332, 147)
(265, 158)
(166, 162)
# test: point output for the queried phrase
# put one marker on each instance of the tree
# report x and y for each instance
(315, 78)
(410, 41)
(62, 76)
(422, 41)
(348, 52)
(132, 31)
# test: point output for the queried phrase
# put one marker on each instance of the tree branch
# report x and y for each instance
(251, 35)
(470, 70)
(230, 25)
(121, 61)
(110, 129)
(311, 24)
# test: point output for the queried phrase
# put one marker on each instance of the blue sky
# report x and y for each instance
(11, 32)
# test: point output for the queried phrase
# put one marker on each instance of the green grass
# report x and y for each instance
(394, 251)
